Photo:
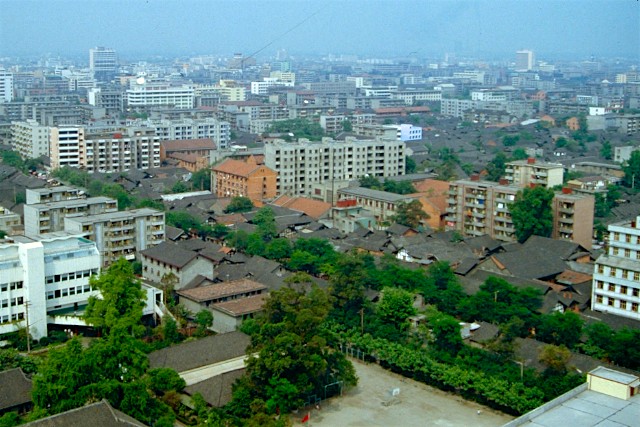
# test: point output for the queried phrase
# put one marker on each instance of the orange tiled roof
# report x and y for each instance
(236, 167)
(311, 207)
(188, 144)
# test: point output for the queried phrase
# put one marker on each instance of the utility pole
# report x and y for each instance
(26, 315)
(362, 320)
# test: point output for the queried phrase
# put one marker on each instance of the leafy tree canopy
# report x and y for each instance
(239, 204)
(300, 128)
(411, 214)
(531, 213)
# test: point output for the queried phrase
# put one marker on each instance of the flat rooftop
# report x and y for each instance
(590, 408)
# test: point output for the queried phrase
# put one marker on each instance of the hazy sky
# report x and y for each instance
(376, 27)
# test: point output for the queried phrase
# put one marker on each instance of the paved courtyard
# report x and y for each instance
(371, 404)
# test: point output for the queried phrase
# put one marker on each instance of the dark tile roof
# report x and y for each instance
(268, 272)
(99, 414)
(221, 290)
(486, 332)
(203, 352)
(170, 253)
(173, 233)
(217, 390)
(536, 260)
(15, 389)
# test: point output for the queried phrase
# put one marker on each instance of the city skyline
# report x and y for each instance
(417, 28)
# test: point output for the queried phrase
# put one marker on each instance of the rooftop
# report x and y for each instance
(374, 194)
(221, 290)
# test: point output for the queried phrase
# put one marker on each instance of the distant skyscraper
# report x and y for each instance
(103, 63)
(6, 86)
(524, 60)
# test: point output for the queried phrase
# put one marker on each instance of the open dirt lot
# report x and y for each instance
(371, 404)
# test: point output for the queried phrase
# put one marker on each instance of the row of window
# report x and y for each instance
(625, 274)
(627, 238)
(627, 252)
(14, 317)
(624, 290)
(70, 276)
(11, 286)
(74, 290)
(622, 304)
(12, 301)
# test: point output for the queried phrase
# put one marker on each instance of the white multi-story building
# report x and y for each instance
(170, 130)
(41, 218)
(134, 148)
(302, 164)
(119, 234)
(103, 63)
(42, 278)
(616, 275)
(409, 132)
(30, 139)
(6, 86)
(411, 96)
(53, 194)
(150, 94)
(65, 144)
(262, 88)
(524, 60)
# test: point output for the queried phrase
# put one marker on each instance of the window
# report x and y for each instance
(623, 290)
(612, 287)
(635, 292)
(627, 253)
(600, 284)
(610, 301)
(72, 290)
(601, 267)
(5, 303)
(612, 272)
(623, 304)
(57, 293)
(3, 287)
(636, 276)
(599, 299)
(634, 306)
(50, 295)
(616, 236)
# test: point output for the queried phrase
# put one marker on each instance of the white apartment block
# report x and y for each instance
(30, 139)
(103, 63)
(53, 194)
(170, 130)
(262, 88)
(119, 234)
(408, 132)
(134, 148)
(65, 144)
(150, 94)
(49, 217)
(42, 279)
(411, 96)
(6, 86)
(616, 275)
(523, 173)
(301, 165)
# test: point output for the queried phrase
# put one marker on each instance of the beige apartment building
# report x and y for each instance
(524, 173)
(476, 208)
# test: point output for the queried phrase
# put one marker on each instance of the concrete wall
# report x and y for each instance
(608, 387)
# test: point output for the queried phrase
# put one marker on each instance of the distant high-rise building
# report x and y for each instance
(524, 60)
(6, 86)
(103, 63)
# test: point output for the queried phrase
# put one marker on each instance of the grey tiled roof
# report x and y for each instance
(15, 389)
(170, 253)
(203, 352)
(100, 414)
(217, 390)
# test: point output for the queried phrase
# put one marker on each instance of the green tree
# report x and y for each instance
(496, 167)
(631, 169)
(278, 249)
(183, 220)
(266, 222)
(239, 204)
(368, 181)
(119, 307)
(300, 128)
(180, 187)
(606, 150)
(445, 330)
(410, 214)
(531, 213)
(560, 329)
(555, 358)
(510, 140)
(347, 126)
(170, 334)
(410, 165)
(204, 320)
(396, 307)
(519, 154)
(293, 358)
(201, 180)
